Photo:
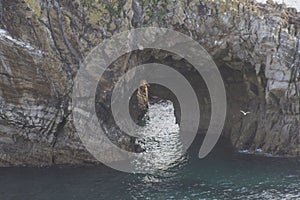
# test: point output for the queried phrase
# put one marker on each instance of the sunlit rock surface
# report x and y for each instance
(42, 43)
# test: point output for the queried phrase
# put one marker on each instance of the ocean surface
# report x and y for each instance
(224, 174)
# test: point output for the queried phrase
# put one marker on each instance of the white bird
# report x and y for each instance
(245, 113)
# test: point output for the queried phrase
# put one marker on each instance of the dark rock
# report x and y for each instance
(42, 43)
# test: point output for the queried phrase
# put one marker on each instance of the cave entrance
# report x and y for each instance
(242, 89)
(240, 80)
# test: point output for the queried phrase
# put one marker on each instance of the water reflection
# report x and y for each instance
(162, 144)
(221, 175)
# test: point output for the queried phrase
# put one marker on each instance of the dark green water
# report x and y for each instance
(219, 176)
(222, 175)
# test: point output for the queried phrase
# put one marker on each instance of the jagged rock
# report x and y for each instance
(42, 43)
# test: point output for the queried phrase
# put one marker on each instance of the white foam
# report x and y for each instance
(259, 152)
(245, 151)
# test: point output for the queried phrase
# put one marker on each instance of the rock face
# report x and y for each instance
(42, 43)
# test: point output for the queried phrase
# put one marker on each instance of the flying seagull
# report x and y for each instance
(245, 113)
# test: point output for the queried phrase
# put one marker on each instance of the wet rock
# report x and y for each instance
(42, 43)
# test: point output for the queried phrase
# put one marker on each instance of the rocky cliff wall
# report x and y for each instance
(42, 44)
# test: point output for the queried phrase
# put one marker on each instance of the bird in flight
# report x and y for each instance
(245, 113)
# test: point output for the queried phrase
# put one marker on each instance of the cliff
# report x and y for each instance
(43, 43)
